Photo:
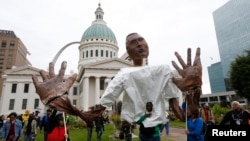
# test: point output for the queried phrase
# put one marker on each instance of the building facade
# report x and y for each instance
(97, 65)
(233, 33)
(13, 53)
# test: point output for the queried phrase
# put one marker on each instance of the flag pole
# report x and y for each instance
(65, 128)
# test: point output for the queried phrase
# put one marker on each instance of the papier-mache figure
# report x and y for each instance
(140, 83)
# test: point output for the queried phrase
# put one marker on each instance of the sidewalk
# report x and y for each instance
(175, 134)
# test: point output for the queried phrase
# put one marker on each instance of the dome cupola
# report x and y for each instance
(98, 41)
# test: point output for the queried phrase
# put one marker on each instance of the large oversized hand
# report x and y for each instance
(53, 85)
(191, 73)
(53, 91)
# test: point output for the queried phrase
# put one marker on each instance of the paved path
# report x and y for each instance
(175, 134)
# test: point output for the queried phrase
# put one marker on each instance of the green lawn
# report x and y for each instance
(81, 134)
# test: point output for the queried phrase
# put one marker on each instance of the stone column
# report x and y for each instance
(86, 93)
(97, 89)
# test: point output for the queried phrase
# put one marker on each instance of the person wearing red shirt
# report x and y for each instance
(58, 132)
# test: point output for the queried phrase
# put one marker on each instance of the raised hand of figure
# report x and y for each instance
(53, 91)
(53, 85)
(191, 73)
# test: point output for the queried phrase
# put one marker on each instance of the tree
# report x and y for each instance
(240, 75)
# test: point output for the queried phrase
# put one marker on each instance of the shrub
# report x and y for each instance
(219, 112)
(75, 122)
(116, 119)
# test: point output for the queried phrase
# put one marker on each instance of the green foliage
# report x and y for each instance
(219, 112)
(116, 119)
(240, 75)
(75, 122)
(177, 123)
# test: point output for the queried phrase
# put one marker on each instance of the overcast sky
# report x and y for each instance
(45, 26)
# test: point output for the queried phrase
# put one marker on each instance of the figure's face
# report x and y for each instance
(137, 47)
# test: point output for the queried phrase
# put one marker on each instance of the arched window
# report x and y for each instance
(110, 54)
(83, 54)
(101, 53)
(91, 53)
(96, 53)
(107, 53)
(87, 54)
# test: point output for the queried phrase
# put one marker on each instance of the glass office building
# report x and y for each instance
(233, 33)
(215, 74)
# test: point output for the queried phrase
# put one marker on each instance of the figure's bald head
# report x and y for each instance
(137, 48)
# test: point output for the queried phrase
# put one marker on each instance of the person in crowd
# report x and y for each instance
(243, 107)
(194, 124)
(25, 116)
(47, 123)
(12, 129)
(236, 116)
(206, 114)
(166, 125)
(90, 126)
(37, 118)
(126, 131)
(106, 116)
(148, 133)
(59, 132)
(99, 125)
(2, 121)
(30, 128)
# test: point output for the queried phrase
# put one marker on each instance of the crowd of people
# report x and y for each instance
(15, 127)
(53, 125)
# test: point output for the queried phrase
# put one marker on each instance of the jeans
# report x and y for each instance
(99, 134)
(89, 129)
(29, 137)
(167, 127)
(149, 138)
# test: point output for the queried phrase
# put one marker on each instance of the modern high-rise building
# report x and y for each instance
(13, 53)
(215, 74)
(233, 36)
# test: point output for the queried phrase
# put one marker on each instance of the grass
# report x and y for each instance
(81, 134)
(177, 123)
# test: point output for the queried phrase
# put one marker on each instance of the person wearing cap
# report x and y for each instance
(25, 116)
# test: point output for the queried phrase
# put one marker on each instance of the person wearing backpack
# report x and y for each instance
(195, 126)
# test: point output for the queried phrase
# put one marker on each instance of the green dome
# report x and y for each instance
(99, 31)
